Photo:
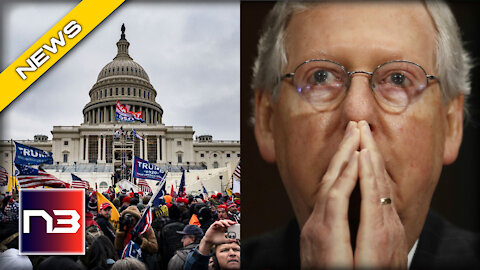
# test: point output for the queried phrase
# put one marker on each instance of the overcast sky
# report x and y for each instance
(190, 51)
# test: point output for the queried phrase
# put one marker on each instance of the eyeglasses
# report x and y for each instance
(324, 83)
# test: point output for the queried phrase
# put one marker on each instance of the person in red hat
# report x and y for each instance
(103, 222)
(222, 212)
(125, 204)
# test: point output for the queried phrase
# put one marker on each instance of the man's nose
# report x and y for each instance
(360, 102)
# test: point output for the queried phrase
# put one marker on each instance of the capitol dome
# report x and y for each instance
(126, 81)
(122, 66)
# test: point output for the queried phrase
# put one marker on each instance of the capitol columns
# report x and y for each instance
(104, 147)
(158, 149)
(99, 148)
(145, 141)
(164, 153)
(140, 145)
(82, 146)
(86, 149)
(112, 116)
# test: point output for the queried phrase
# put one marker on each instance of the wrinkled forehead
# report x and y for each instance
(227, 245)
(382, 31)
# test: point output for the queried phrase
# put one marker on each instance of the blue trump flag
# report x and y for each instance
(28, 155)
(146, 170)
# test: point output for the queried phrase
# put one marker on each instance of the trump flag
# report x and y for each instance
(123, 114)
(146, 170)
(28, 155)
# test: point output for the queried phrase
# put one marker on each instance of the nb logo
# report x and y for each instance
(73, 221)
(53, 216)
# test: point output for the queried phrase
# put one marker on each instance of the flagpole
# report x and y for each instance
(14, 186)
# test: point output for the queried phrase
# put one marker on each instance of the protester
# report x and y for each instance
(233, 213)
(205, 218)
(225, 251)
(129, 264)
(169, 240)
(103, 220)
(9, 224)
(116, 203)
(191, 236)
(128, 219)
(103, 245)
(222, 212)
(60, 263)
(100, 254)
(10, 259)
(125, 204)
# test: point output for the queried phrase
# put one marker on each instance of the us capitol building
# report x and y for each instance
(94, 153)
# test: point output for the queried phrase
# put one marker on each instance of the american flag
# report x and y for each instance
(143, 186)
(29, 177)
(132, 249)
(3, 176)
(236, 173)
(145, 222)
(79, 183)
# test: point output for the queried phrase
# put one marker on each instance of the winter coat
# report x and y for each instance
(149, 241)
(178, 260)
(106, 227)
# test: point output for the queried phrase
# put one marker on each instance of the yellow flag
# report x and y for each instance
(114, 218)
(12, 183)
(229, 191)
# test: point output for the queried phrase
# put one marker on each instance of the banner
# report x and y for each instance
(146, 170)
(236, 186)
(122, 114)
(28, 155)
(127, 185)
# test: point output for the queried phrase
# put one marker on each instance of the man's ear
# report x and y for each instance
(264, 125)
(454, 129)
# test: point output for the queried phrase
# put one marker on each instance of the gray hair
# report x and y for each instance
(453, 63)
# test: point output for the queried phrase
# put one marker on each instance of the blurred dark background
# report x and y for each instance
(265, 204)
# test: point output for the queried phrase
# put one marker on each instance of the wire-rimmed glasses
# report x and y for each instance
(324, 83)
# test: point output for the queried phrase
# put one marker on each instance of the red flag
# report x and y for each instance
(171, 191)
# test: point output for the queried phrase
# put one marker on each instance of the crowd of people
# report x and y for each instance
(186, 233)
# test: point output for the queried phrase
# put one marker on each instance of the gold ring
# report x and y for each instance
(384, 201)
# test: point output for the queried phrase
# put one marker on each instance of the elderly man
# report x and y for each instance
(360, 105)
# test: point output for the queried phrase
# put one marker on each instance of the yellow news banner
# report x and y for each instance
(52, 46)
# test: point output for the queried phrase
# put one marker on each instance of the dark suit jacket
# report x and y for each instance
(441, 245)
